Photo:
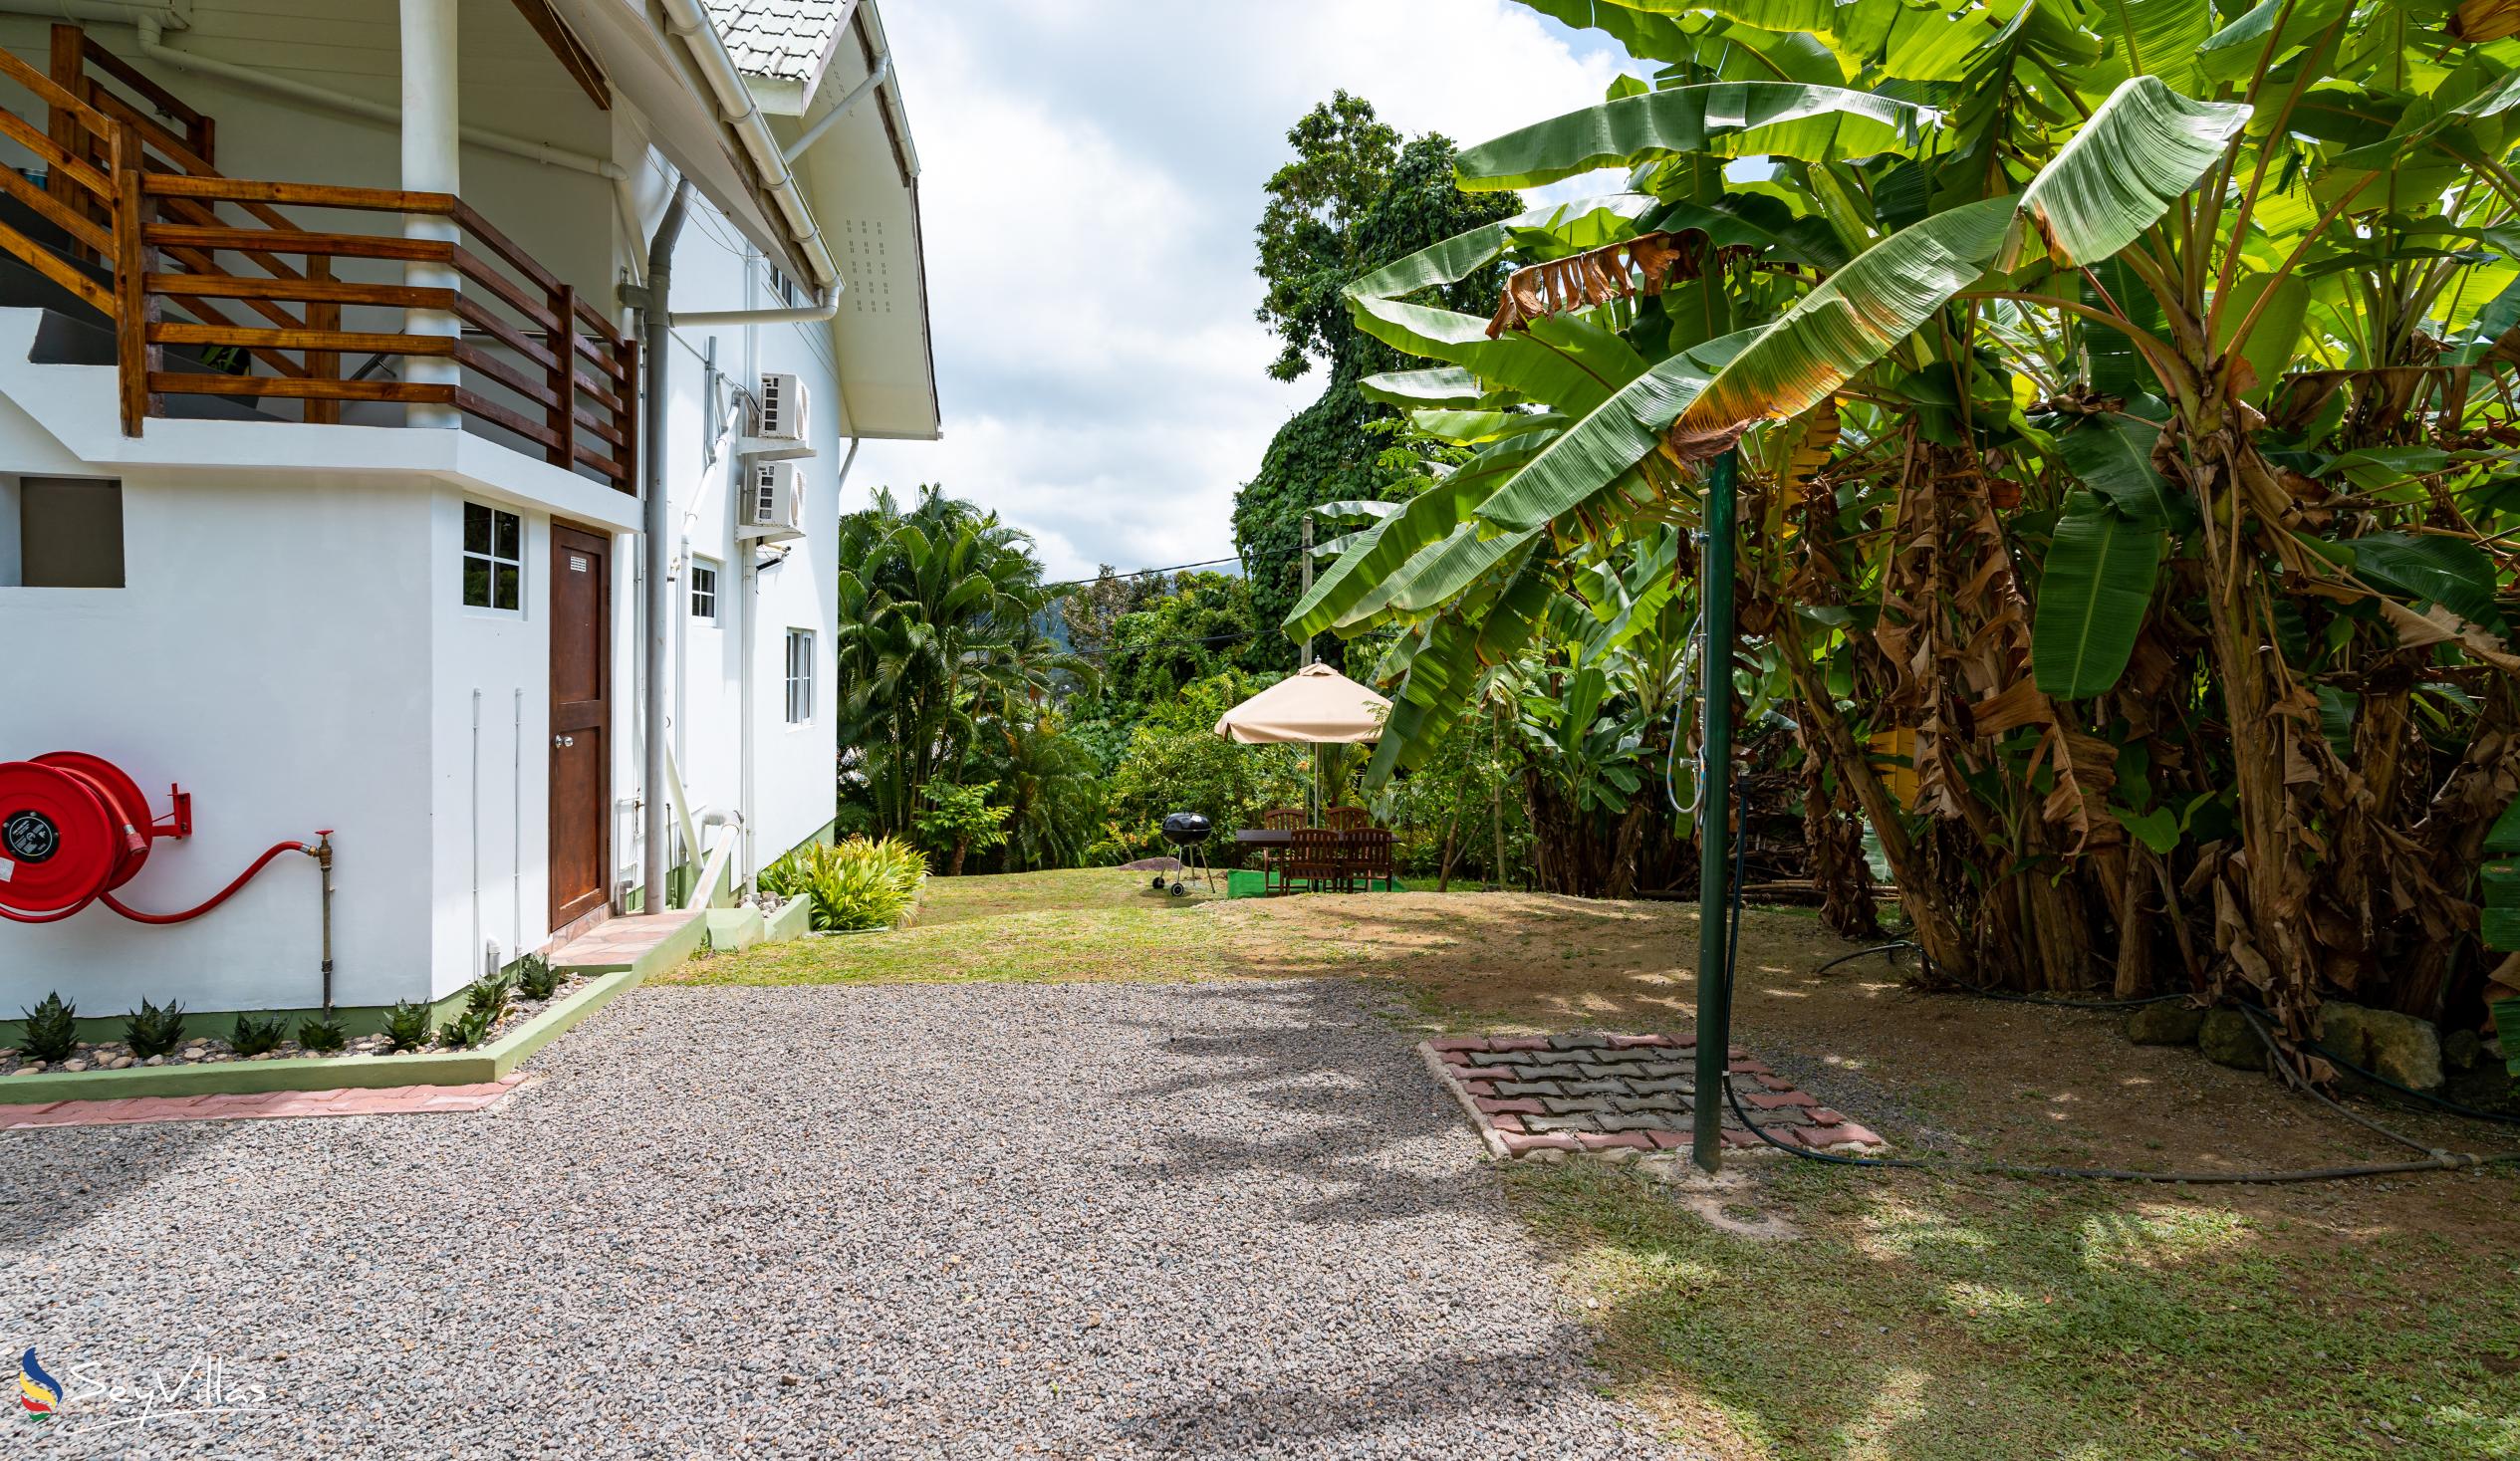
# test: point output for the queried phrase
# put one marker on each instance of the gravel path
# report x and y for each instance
(1224, 1219)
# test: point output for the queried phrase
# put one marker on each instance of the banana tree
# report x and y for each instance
(2123, 392)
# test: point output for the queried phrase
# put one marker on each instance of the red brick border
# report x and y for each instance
(1620, 1096)
(260, 1106)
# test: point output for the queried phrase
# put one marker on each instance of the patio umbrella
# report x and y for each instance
(1315, 705)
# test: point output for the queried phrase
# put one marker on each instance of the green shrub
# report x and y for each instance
(466, 1030)
(52, 1029)
(855, 884)
(152, 1031)
(1175, 762)
(406, 1026)
(536, 978)
(254, 1037)
(960, 821)
(490, 996)
(323, 1034)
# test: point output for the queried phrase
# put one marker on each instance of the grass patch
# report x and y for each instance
(1028, 927)
(1949, 1321)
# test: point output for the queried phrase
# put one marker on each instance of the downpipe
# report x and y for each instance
(657, 323)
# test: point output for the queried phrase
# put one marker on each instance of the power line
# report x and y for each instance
(1142, 573)
(1174, 568)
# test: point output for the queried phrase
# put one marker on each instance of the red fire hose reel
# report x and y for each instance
(73, 827)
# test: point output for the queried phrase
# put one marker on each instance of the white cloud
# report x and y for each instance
(1091, 178)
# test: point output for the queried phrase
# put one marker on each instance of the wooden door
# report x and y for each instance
(581, 722)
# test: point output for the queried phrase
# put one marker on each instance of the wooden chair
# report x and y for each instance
(1347, 818)
(1277, 819)
(1312, 854)
(1370, 855)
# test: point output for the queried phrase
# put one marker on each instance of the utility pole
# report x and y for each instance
(1308, 577)
(1306, 661)
(1714, 817)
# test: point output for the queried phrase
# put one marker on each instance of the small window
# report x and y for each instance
(705, 590)
(799, 676)
(494, 558)
(785, 288)
(69, 534)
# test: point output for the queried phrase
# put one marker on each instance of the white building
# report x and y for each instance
(298, 510)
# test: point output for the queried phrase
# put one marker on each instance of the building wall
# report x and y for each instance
(298, 655)
(266, 653)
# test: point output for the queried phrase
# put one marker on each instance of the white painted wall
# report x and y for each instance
(295, 651)
(267, 653)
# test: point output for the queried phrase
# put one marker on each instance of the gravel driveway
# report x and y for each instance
(1229, 1219)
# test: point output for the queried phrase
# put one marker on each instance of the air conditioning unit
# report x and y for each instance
(783, 409)
(774, 500)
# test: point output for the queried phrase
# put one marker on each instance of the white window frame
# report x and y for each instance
(800, 677)
(466, 556)
(699, 566)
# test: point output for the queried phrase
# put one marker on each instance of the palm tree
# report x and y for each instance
(938, 639)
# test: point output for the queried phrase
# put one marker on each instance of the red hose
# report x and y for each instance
(189, 914)
(53, 917)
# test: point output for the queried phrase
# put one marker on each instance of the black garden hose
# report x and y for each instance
(2438, 1159)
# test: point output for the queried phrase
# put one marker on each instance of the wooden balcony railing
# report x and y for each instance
(216, 268)
(572, 378)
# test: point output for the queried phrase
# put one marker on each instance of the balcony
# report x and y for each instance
(222, 298)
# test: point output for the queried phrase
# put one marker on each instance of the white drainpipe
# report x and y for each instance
(845, 105)
(800, 315)
(153, 46)
(738, 109)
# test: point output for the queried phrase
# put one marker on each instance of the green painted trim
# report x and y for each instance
(735, 929)
(792, 920)
(493, 1062)
(215, 1023)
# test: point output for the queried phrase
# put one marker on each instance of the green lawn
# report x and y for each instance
(1911, 1316)
(1088, 924)
(1920, 1317)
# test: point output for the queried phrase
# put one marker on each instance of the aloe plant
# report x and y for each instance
(52, 1029)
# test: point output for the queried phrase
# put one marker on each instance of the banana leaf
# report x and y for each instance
(2093, 597)
(1781, 118)
(2143, 148)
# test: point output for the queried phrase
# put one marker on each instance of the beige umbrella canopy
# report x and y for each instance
(1314, 704)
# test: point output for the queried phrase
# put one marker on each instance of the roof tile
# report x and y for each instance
(786, 38)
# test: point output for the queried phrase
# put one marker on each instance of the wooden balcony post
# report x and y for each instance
(626, 421)
(564, 378)
(69, 73)
(135, 309)
(323, 365)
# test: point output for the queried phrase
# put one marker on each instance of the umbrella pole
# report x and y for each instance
(1714, 817)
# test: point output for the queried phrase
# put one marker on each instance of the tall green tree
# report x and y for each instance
(1354, 198)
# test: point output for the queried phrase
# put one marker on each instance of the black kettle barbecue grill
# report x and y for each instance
(1188, 833)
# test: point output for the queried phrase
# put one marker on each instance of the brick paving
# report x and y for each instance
(134, 1110)
(1542, 1097)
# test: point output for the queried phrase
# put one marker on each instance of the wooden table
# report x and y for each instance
(1263, 837)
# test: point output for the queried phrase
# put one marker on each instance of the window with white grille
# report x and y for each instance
(799, 676)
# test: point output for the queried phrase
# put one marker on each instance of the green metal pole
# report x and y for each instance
(1714, 816)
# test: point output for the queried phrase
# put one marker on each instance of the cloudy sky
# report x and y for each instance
(1091, 175)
